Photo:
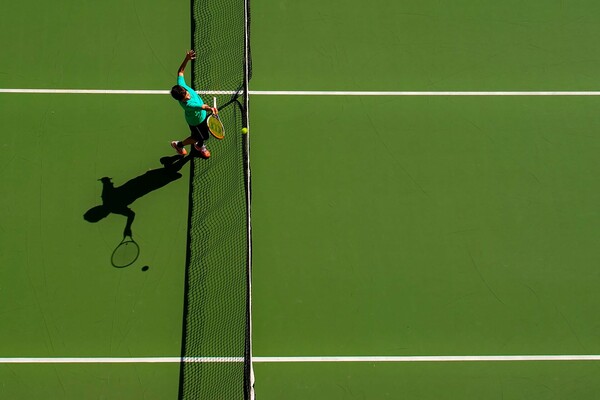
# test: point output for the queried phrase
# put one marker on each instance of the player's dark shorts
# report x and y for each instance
(200, 132)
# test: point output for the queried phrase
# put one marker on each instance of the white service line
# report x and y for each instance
(369, 359)
(117, 360)
(373, 359)
(312, 92)
(102, 91)
(81, 91)
(420, 93)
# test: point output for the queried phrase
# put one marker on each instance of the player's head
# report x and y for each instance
(97, 213)
(179, 93)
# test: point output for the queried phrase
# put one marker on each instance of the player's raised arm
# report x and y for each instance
(213, 110)
(190, 55)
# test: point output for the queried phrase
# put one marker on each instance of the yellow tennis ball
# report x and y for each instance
(244, 130)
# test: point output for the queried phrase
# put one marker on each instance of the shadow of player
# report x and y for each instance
(116, 200)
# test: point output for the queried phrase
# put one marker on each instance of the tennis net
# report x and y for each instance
(218, 268)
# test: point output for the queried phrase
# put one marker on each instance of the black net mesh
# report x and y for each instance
(216, 337)
(219, 36)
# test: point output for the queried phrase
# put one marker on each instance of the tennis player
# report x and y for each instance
(194, 111)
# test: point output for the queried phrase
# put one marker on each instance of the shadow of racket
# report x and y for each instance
(125, 253)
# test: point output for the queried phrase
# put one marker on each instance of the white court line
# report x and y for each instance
(369, 359)
(421, 93)
(313, 92)
(81, 91)
(373, 359)
(117, 360)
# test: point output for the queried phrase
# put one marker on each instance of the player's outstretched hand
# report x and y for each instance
(190, 55)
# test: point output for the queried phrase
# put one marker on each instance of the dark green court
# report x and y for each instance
(382, 225)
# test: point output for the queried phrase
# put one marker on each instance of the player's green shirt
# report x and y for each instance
(194, 114)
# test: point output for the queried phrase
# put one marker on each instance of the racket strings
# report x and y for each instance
(216, 126)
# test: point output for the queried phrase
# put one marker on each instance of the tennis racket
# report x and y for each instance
(215, 126)
(126, 253)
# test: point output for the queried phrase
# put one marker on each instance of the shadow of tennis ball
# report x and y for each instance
(145, 268)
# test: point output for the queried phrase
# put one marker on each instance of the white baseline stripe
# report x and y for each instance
(117, 360)
(313, 92)
(102, 91)
(81, 91)
(420, 93)
(370, 359)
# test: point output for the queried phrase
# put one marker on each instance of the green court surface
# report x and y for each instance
(90, 381)
(425, 45)
(476, 227)
(382, 225)
(63, 297)
(540, 381)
